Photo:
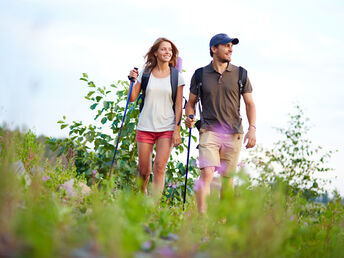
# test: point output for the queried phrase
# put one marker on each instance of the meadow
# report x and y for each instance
(56, 199)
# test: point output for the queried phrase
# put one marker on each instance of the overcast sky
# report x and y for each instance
(293, 51)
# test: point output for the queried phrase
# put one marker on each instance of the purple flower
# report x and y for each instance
(45, 178)
(147, 245)
(0, 138)
(94, 172)
(166, 252)
(174, 186)
(170, 184)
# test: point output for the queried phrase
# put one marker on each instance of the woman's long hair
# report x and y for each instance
(151, 60)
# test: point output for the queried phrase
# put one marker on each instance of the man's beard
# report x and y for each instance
(224, 60)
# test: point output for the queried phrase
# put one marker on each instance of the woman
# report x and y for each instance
(159, 120)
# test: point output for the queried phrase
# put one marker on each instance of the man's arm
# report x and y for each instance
(250, 136)
(190, 110)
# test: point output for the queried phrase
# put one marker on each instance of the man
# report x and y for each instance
(221, 132)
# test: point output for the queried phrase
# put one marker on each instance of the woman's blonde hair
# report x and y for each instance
(151, 60)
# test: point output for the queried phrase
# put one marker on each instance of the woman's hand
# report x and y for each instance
(133, 74)
(176, 138)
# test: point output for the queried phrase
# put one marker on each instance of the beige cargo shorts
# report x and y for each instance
(219, 150)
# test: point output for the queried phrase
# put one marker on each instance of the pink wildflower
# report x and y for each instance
(45, 178)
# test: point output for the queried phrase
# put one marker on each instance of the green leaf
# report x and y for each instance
(98, 98)
(93, 106)
(63, 126)
(85, 75)
(90, 93)
(106, 104)
(84, 79)
(104, 120)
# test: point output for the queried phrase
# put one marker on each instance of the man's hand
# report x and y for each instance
(250, 138)
(189, 122)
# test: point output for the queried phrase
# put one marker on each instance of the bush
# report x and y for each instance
(90, 149)
(292, 160)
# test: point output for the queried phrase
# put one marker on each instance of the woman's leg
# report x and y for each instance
(163, 151)
(145, 163)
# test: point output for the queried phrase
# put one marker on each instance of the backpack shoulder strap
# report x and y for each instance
(144, 82)
(199, 81)
(199, 76)
(242, 79)
(174, 84)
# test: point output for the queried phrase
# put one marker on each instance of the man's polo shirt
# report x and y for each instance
(220, 99)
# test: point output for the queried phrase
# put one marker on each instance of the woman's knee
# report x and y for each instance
(159, 167)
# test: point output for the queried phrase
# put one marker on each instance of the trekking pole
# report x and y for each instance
(132, 80)
(187, 163)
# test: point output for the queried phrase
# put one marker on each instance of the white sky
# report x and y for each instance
(293, 51)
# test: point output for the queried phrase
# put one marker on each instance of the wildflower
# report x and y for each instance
(170, 184)
(166, 252)
(174, 186)
(45, 178)
(94, 172)
(68, 186)
(146, 246)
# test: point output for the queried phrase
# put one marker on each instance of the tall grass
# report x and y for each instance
(42, 219)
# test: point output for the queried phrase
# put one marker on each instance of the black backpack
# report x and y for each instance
(199, 81)
(174, 85)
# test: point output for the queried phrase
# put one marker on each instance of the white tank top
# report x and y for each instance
(157, 114)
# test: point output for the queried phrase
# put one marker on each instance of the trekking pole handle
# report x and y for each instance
(132, 79)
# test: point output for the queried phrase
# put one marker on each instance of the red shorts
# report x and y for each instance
(151, 137)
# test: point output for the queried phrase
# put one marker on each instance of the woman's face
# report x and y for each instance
(164, 52)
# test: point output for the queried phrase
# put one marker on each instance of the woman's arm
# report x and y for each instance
(176, 139)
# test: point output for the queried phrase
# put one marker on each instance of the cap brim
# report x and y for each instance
(235, 41)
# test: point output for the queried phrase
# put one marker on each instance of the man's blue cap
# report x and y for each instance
(222, 38)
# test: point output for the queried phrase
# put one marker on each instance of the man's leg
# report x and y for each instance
(145, 163)
(209, 158)
(203, 188)
(229, 155)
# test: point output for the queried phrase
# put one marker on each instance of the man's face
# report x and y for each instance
(223, 52)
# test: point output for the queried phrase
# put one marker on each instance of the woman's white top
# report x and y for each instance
(157, 114)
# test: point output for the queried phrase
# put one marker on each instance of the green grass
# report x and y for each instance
(42, 220)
